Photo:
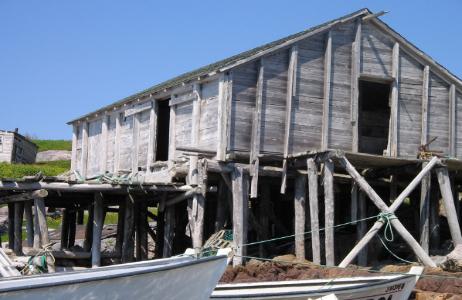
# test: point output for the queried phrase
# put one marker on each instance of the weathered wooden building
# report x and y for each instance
(281, 140)
(15, 148)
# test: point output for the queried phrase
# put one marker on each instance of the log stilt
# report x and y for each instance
(264, 207)
(434, 218)
(129, 226)
(72, 228)
(142, 232)
(65, 229)
(98, 217)
(240, 206)
(120, 227)
(314, 210)
(329, 215)
(42, 225)
(451, 215)
(18, 217)
(89, 229)
(11, 226)
(222, 206)
(36, 229)
(160, 226)
(354, 202)
(361, 227)
(169, 231)
(29, 223)
(425, 188)
(299, 207)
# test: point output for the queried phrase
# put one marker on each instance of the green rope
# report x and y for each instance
(386, 217)
(392, 253)
(308, 232)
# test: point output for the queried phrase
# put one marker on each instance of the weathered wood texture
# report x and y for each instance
(15, 148)
(240, 185)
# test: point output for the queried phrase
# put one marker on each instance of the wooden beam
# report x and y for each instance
(393, 141)
(329, 215)
(240, 207)
(256, 130)
(291, 92)
(84, 157)
(41, 221)
(129, 226)
(25, 196)
(120, 226)
(196, 115)
(89, 228)
(117, 142)
(327, 87)
(452, 121)
(136, 142)
(224, 110)
(65, 229)
(152, 143)
(425, 99)
(446, 193)
(425, 188)
(142, 231)
(172, 136)
(11, 226)
(72, 228)
(355, 71)
(354, 193)
(299, 221)
(384, 208)
(29, 223)
(104, 139)
(98, 222)
(314, 210)
(18, 217)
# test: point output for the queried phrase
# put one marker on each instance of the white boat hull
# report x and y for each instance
(174, 278)
(394, 287)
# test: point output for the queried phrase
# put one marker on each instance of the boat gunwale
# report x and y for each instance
(103, 276)
(308, 293)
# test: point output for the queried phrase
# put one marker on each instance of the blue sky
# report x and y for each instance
(62, 59)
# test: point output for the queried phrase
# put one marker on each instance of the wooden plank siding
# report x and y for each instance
(326, 72)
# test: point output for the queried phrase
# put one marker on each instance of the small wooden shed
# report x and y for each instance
(16, 148)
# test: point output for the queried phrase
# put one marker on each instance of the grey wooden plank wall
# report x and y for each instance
(7, 146)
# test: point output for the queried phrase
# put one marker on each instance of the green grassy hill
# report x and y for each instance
(51, 168)
(44, 145)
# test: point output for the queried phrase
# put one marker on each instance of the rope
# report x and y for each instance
(386, 217)
(308, 232)
(392, 253)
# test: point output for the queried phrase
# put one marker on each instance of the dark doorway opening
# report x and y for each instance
(163, 129)
(374, 117)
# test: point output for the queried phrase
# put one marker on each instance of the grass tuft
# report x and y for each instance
(45, 145)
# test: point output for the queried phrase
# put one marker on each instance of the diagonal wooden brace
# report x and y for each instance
(423, 256)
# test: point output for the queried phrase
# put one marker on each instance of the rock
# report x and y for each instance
(436, 296)
(52, 155)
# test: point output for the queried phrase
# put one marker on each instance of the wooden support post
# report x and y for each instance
(355, 71)
(314, 211)
(224, 108)
(299, 206)
(11, 226)
(89, 229)
(65, 229)
(425, 188)
(72, 228)
(446, 193)
(39, 204)
(75, 133)
(264, 208)
(120, 227)
(394, 113)
(434, 218)
(196, 207)
(256, 131)
(240, 207)
(222, 206)
(398, 226)
(117, 142)
(425, 93)
(135, 142)
(361, 228)
(142, 232)
(329, 215)
(291, 91)
(18, 217)
(169, 231)
(129, 226)
(354, 202)
(103, 150)
(172, 137)
(97, 230)
(160, 226)
(152, 143)
(327, 87)
(29, 223)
